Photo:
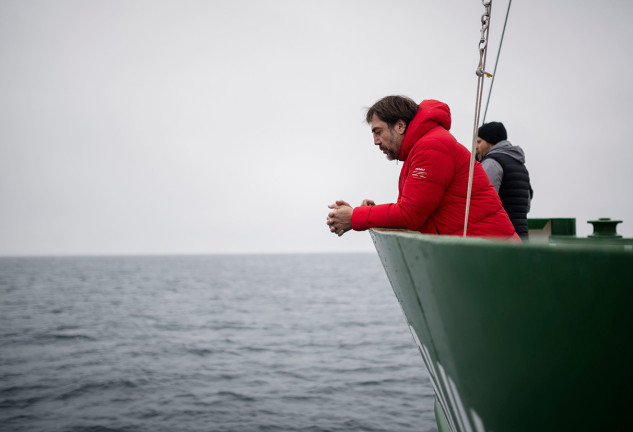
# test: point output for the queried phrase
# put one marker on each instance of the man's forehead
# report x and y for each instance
(377, 123)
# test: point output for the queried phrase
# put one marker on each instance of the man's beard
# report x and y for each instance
(391, 155)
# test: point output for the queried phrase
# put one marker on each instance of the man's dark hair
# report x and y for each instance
(390, 109)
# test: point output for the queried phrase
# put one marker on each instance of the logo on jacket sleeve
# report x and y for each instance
(419, 173)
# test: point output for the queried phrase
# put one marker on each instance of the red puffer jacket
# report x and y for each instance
(433, 185)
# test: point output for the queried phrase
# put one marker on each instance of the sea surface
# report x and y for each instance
(207, 343)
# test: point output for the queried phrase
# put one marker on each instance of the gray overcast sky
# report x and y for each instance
(184, 126)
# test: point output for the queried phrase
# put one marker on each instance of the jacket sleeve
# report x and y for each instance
(429, 174)
(494, 171)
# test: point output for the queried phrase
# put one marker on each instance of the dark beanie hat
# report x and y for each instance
(493, 132)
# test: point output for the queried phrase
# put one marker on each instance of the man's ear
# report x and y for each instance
(401, 126)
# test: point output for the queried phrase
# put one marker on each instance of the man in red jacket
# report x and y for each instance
(433, 180)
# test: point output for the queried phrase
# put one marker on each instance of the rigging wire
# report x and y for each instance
(481, 74)
(494, 72)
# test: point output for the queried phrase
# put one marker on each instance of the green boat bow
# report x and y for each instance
(518, 337)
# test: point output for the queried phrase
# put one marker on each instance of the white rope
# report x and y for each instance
(481, 74)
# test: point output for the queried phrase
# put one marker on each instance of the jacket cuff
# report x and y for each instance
(360, 218)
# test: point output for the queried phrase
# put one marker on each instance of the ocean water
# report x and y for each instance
(207, 343)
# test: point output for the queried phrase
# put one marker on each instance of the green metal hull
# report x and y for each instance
(518, 337)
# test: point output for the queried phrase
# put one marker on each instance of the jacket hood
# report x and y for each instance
(506, 148)
(431, 113)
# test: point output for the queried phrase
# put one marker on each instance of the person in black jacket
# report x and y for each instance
(505, 166)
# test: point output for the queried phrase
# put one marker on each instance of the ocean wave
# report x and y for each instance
(91, 388)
